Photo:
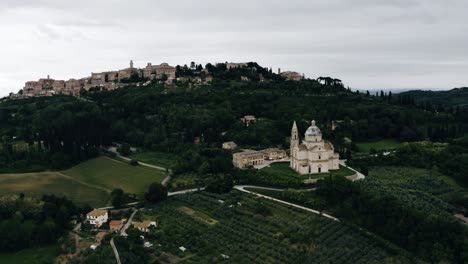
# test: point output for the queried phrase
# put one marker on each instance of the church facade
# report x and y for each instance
(313, 154)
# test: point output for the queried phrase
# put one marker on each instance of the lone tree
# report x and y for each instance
(156, 193)
(117, 198)
(220, 184)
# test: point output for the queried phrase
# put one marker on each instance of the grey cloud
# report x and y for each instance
(401, 43)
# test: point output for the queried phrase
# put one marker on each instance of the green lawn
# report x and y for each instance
(163, 159)
(281, 175)
(111, 174)
(282, 169)
(384, 144)
(37, 184)
(37, 255)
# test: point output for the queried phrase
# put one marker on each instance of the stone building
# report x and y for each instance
(248, 119)
(106, 80)
(73, 87)
(144, 226)
(274, 154)
(157, 71)
(97, 217)
(230, 65)
(229, 145)
(292, 76)
(127, 73)
(313, 155)
(248, 158)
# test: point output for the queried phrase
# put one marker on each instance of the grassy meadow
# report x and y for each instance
(37, 184)
(37, 255)
(87, 183)
(384, 144)
(158, 158)
(111, 174)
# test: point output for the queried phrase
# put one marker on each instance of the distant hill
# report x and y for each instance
(452, 98)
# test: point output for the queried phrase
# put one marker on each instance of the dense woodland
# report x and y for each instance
(27, 222)
(57, 132)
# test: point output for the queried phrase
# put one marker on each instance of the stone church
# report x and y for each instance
(313, 155)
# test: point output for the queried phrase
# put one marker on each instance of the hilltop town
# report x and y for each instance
(131, 76)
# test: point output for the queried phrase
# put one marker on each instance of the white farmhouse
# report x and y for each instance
(313, 155)
(97, 217)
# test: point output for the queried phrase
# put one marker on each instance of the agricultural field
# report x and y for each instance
(384, 144)
(158, 158)
(429, 182)
(111, 174)
(87, 183)
(37, 184)
(281, 175)
(240, 228)
(37, 255)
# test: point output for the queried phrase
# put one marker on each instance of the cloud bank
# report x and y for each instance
(369, 44)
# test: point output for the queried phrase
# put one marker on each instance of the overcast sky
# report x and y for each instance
(369, 44)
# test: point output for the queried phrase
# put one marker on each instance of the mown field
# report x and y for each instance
(38, 255)
(241, 228)
(87, 183)
(163, 159)
(37, 184)
(111, 174)
(384, 144)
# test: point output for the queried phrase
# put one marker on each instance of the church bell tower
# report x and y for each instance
(294, 142)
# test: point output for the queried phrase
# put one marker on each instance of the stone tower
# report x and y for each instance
(294, 141)
(131, 64)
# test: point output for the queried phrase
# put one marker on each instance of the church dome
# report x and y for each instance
(313, 130)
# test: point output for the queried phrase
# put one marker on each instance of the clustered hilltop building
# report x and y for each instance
(108, 80)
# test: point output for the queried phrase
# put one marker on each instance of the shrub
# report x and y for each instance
(124, 149)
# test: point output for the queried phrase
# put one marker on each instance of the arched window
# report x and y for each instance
(320, 157)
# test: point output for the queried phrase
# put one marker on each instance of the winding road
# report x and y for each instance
(164, 182)
(116, 253)
(242, 189)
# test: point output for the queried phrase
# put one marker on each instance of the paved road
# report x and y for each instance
(164, 182)
(269, 162)
(242, 189)
(357, 176)
(116, 253)
(127, 225)
(185, 191)
(114, 150)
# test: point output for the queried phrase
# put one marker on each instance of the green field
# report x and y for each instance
(37, 184)
(275, 234)
(384, 144)
(38, 255)
(87, 183)
(428, 181)
(158, 158)
(111, 174)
